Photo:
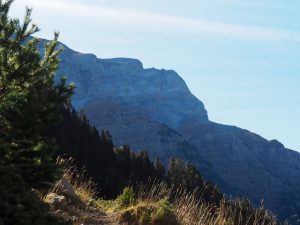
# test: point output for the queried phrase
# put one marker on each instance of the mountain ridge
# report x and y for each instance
(151, 97)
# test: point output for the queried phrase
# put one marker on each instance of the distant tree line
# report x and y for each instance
(112, 168)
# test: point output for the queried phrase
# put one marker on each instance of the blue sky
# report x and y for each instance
(240, 57)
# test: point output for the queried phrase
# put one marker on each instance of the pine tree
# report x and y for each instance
(159, 168)
(29, 99)
(29, 102)
(177, 173)
(193, 177)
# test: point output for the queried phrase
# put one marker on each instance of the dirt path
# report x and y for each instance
(87, 216)
(99, 218)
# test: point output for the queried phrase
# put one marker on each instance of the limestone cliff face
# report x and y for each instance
(262, 169)
(162, 94)
(154, 110)
(132, 126)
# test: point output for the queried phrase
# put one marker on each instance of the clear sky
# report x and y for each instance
(240, 57)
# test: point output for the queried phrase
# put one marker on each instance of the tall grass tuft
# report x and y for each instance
(157, 204)
(190, 209)
(84, 187)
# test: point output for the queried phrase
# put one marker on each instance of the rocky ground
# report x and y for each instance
(66, 202)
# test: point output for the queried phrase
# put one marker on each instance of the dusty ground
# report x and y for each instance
(86, 216)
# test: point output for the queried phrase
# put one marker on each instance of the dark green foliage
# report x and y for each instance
(164, 214)
(127, 197)
(29, 102)
(78, 139)
(159, 169)
(29, 99)
(110, 167)
(19, 205)
(184, 175)
(115, 168)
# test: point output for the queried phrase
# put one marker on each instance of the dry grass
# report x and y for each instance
(154, 191)
(189, 209)
(78, 209)
(155, 200)
(85, 188)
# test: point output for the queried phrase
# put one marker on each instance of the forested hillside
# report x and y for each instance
(113, 168)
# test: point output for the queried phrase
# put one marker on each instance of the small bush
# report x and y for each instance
(144, 214)
(164, 214)
(127, 198)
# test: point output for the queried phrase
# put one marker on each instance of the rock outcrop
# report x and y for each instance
(56, 201)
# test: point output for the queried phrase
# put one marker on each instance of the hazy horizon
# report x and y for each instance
(239, 57)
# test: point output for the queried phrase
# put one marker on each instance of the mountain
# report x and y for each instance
(154, 110)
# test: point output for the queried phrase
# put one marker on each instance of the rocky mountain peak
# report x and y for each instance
(161, 94)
